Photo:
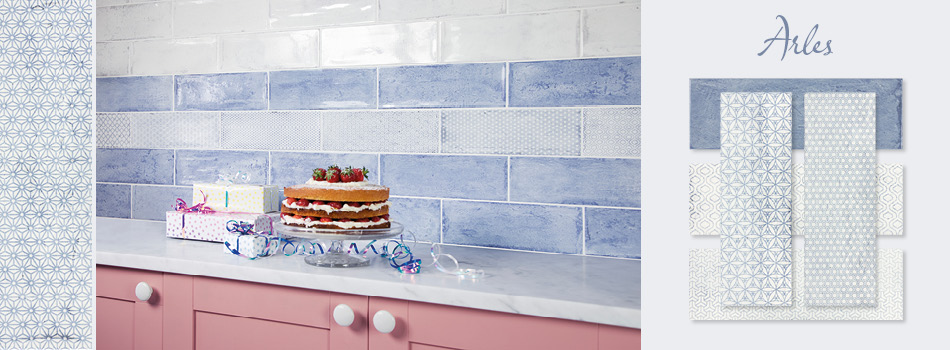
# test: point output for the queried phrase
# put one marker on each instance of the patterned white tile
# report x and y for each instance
(705, 196)
(518, 37)
(176, 56)
(512, 131)
(307, 13)
(543, 5)
(612, 132)
(269, 51)
(112, 58)
(174, 130)
(612, 31)
(402, 10)
(219, 16)
(382, 131)
(271, 130)
(135, 21)
(113, 130)
(890, 199)
(380, 44)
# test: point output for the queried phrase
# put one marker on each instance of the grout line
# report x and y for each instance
(138, 184)
(584, 230)
(438, 41)
(507, 84)
(580, 33)
(270, 167)
(441, 220)
(377, 152)
(175, 167)
(267, 89)
(508, 180)
(388, 110)
(377, 88)
(131, 200)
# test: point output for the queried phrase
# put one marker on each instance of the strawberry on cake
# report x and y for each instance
(336, 198)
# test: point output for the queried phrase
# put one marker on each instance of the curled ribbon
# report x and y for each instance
(182, 207)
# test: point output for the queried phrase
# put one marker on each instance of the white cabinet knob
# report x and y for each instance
(343, 315)
(384, 321)
(143, 291)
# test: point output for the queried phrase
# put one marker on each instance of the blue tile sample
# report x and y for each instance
(323, 89)
(142, 166)
(204, 166)
(151, 202)
(468, 177)
(221, 92)
(704, 105)
(292, 168)
(421, 216)
(113, 200)
(597, 81)
(450, 85)
(613, 232)
(134, 94)
(543, 228)
(587, 181)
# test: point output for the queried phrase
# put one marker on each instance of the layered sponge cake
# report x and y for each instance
(336, 198)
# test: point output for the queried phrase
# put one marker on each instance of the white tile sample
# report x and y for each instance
(113, 130)
(105, 3)
(611, 132)
(705, 196)
(174, 56)
(112, 58)
(310, 13)
(381, 131)
(269, 51)
(612, 31)
(516, 37)
(174, 130)
(219, 16)
(543, 5)
(402, 10)
(512, 131)
(379, 44)
(136, 21)
(271, 130)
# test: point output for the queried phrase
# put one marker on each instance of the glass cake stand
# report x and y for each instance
(336, 255)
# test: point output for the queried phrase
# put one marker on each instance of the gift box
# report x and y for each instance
(237, 197)
(251, 246)
(209, 226)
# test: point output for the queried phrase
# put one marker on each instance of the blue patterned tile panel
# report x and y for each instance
(221, 92)
(114, 200)
(448, 86)
(323, 89)
(134, 94)
(271, 130)
(423, 217)
(291, 168)
(151, 202)
(512, 131)
(583, 181)
(704, 105)
(468, 177)
(141, 166)
(194, 166)
(555, 229)
(586, 82)
(382, 131)
(613, 232)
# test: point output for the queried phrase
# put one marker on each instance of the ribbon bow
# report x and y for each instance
(183, 207)
(238, 177)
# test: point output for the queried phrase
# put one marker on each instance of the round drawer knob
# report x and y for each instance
(143, 291)
(384, 321)
(343, 315)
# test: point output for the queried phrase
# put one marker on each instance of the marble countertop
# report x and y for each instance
(591, 289)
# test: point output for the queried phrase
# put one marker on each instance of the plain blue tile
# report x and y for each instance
(704, 105)
(586, 82)
(151, 202)
(451, 85)
(323, 89)
(421, 216)
(292, 168)
(142, 166)
(588, 181)
(221, 92)
(114, 200)
(613, 232)
(204, 166)
(467, 177)
(542, 228)
(134, 94)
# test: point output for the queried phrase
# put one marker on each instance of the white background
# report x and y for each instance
(720, 39)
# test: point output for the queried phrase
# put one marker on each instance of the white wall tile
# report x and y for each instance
(269, 51)
(138, 21)
(544, 5)
(105, 3)
(512, 131)
(532, 36)
(219, 16)
(612, 132)
(381, 131)
(271, 130)
(113, 130)
(112, 58)
(380, 44)
(612, 31)
(176, 56)
(397, 10)
(304, 13)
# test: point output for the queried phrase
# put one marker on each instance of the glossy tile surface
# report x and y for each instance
(613, 232)
(221, 92)
(219, 16)
(403, 10)
(580, 181)
(151, 202)
(513, 226)
(134, 94)
(382, 131)
(612, 31)
(135, 21)
(519, 37)
(175, 56)
(455, 85)
(420, 216)
(601, 81)
(114, 200)
(112, 58)
(467, 177)
(269, 51)
(379, 44)
(193, 166)
(536, 5)
(306, 13)
(323, 89)
(140, 166)
(512, 131)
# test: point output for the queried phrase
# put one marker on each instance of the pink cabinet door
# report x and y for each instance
(355, 336)
(215, 331)
(138, 322)
(114, 324)
(262, 301)
(398, 339)
(618, 338)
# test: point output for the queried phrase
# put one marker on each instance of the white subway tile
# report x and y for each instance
(612, 31)
(544, 5)
(219, 16)
(380, 44)
(138, 21)
(178, 56)
(381, 131)
(112, 58)
(533, 36)
(105, 3)
(416, 9)
(269, 51)
(304, 13)
(174, 130)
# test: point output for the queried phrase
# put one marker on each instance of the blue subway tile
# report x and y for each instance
(704, 105)
(221, 92)
(586, 82)
(151, 202)
(453, 85)
(423, 217)
(142, 166)
(468, 177)
(291, 168)
(114, 200)
(204, 166)
(323, 89)
(587, 181)
(134, 94)
(613, 232)
(515, 226)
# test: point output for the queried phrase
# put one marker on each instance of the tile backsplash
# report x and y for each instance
(510, 124)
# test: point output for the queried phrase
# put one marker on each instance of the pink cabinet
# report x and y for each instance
(123, 320)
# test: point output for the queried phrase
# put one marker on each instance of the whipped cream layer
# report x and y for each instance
(328, 209)
(341, 224)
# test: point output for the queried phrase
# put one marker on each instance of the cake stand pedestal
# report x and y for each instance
(336, 255)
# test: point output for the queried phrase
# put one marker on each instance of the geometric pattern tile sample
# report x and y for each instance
(611, 132)
(157, 130)
(555, 132)
(704, 194)
(381, 131)
(271, 130)
(756, 223)
(704, 297)
(113, 130)
(46, 174)
(840, 199)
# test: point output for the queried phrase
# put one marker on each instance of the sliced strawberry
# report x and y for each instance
(318, 202)
(291, 200)
(302, 202)
(335, 205)
(386, 217)
(326, 220)
(356, 204)
(345, 220)
(298, 217)
(363, 220)
(283, 215)
(376, 219)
